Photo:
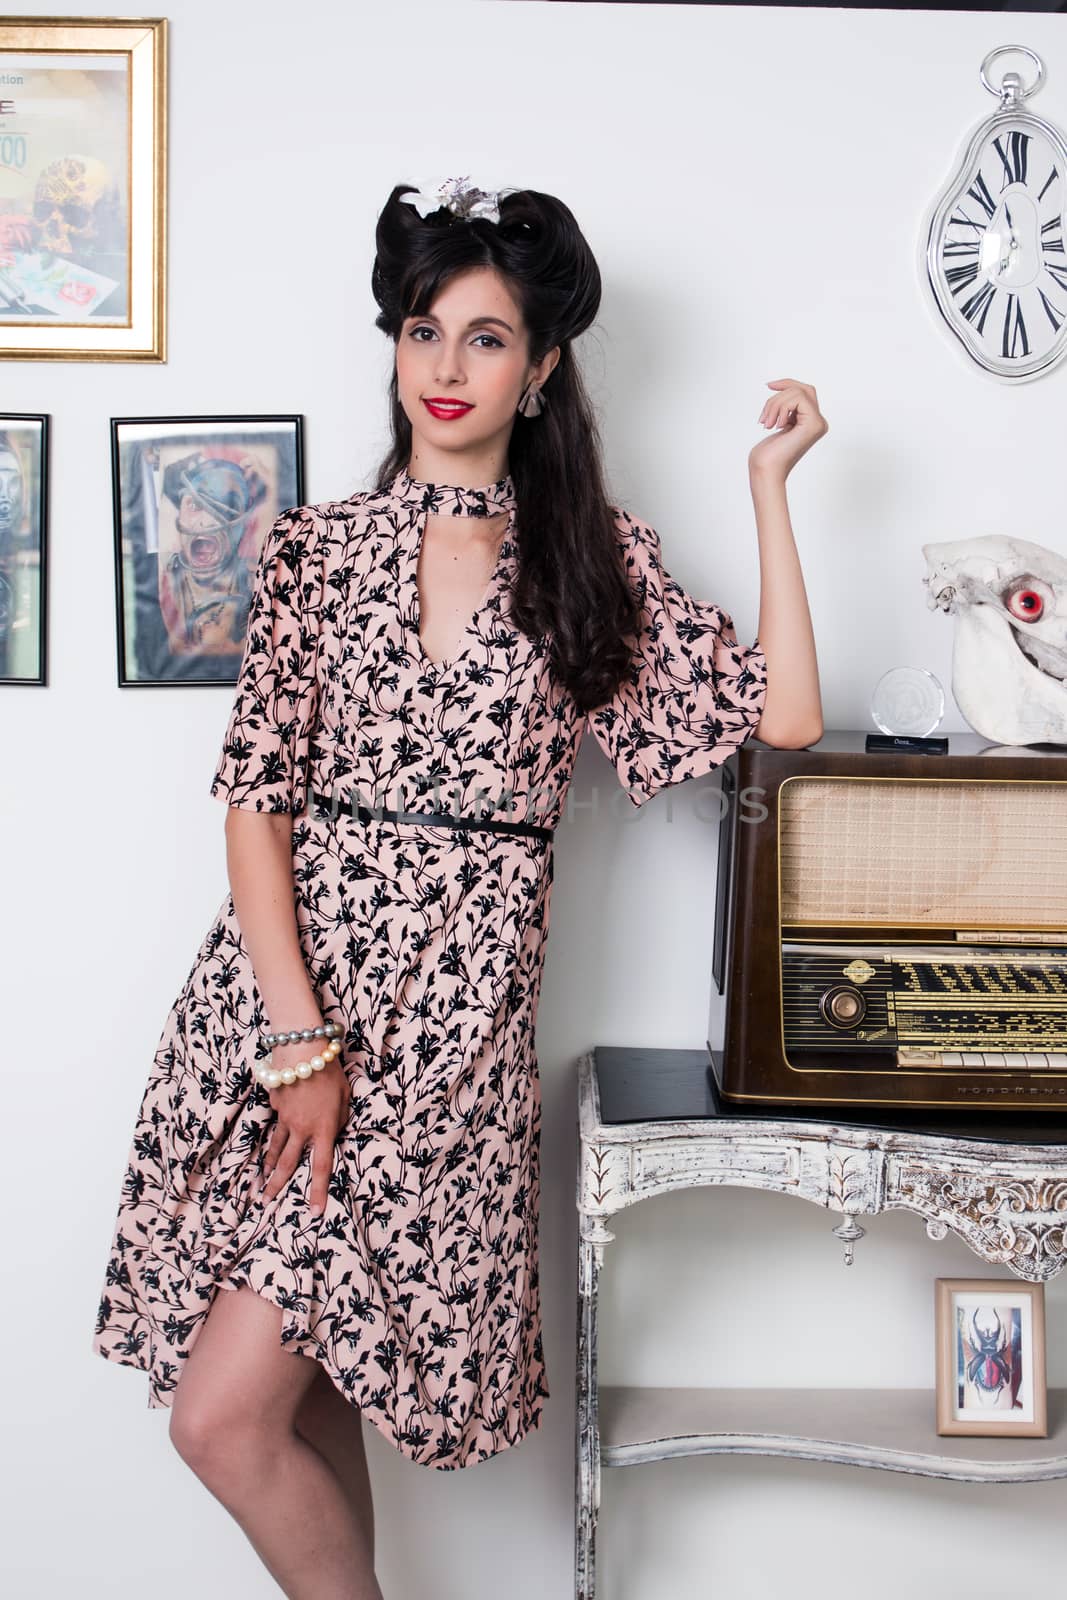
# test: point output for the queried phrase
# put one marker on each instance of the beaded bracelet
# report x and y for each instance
(327, 1030)
(271, 1077)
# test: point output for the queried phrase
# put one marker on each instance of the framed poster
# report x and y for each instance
(23, 542)
(193, 498)
(83, 189)
(991, 1357)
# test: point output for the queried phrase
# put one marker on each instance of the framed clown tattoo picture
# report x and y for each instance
(23, 543)
(991, 1357)
(83, 186)
(193, 498)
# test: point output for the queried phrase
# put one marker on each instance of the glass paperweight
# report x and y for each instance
(908, 700)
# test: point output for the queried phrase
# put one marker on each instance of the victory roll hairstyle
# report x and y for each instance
(570, 588)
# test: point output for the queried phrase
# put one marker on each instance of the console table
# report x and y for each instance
(651, 1121)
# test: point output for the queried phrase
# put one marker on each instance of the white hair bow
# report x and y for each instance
(459, 196)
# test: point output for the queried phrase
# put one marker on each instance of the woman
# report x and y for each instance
(434, 647)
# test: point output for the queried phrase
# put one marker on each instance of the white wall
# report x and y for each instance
(751, 180)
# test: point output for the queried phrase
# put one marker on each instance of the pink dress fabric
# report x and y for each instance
(418, 1288)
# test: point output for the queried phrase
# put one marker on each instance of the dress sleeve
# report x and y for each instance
(266, 748)
(692, 694)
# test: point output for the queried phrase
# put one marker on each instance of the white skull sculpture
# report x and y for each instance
(1009, 659)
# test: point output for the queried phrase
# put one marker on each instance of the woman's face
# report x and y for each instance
(470, 352)
(10, 491)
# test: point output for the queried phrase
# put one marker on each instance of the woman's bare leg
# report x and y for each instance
(334, 1426)
(233, 1421)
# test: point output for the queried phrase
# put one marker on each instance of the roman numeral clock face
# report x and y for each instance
(994, 253)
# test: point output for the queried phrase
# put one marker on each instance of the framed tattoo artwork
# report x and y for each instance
(193, 498)
(23, 545)
(991, 1357)
(83, 185)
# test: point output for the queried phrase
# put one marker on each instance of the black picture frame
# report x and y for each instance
(24, 459)
(180, 624)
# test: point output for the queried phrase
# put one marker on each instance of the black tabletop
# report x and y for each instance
(654, 1085)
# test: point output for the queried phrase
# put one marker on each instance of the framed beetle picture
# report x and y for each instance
(193, 498)
(990, 1357)
(83, 184)
(23, 546)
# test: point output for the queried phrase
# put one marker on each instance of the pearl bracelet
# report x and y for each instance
(271, 1077)
(327, 1030)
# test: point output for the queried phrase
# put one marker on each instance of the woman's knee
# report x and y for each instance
(239, 1390)
(223, 1448)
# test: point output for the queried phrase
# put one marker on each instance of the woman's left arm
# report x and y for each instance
(792, 710)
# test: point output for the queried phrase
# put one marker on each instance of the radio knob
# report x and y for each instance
(843, 1007)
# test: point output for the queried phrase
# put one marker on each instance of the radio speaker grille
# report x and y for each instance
(943, 852)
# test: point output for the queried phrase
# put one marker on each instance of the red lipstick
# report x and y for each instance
(447, 410)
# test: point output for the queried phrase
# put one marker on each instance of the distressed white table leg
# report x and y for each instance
(849, 1232)
(592, 1237)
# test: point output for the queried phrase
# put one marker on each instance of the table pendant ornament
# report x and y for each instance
(991, 247)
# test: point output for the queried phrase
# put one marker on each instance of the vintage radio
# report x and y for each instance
(891, 929)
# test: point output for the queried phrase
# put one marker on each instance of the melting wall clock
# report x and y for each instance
(992, 243)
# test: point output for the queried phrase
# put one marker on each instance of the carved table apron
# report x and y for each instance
(1005, 1197)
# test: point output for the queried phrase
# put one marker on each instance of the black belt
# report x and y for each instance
(447, 819)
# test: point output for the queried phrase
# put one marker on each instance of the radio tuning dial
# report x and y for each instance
(843, 1006)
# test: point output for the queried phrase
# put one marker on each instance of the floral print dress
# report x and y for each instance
(418, 1288)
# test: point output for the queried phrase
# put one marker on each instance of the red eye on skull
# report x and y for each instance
(1026, 604)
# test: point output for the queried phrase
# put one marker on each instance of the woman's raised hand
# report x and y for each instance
(310, 1111)
(794, 413)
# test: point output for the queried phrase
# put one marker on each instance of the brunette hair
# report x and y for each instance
(571, 588)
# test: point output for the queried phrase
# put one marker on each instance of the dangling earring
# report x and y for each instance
(532, 403)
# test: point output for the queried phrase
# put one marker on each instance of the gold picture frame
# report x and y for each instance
(83, 188)
(991, 1377)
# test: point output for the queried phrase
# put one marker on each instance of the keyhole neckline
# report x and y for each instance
(412, 612)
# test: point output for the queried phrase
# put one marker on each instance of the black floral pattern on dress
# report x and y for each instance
(418, 1289)
(693, 694)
